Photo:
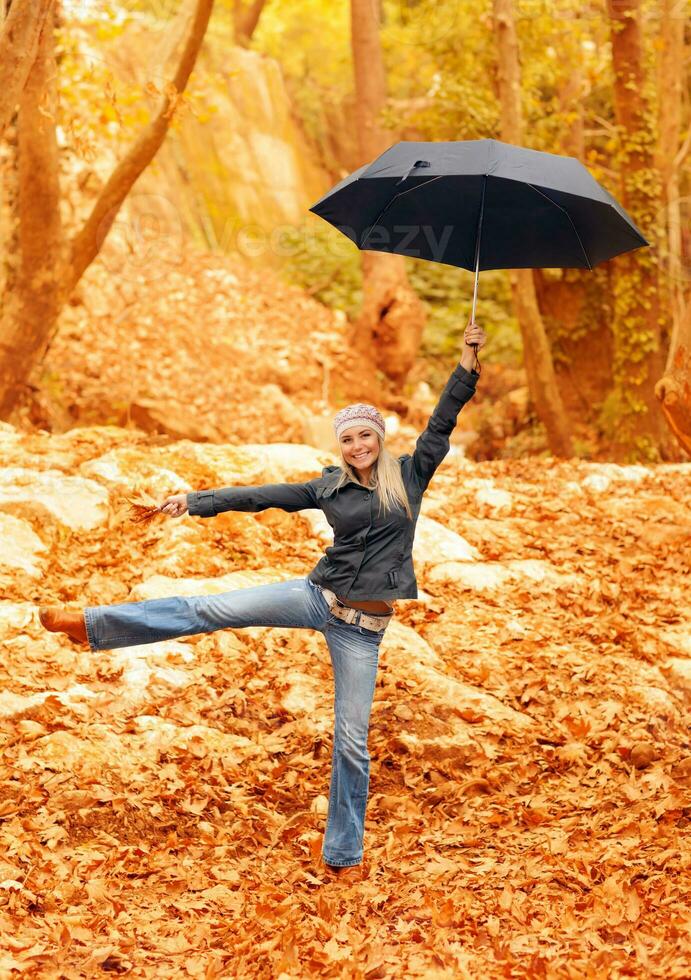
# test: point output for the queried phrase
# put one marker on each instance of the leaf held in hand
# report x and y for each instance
(143, 507)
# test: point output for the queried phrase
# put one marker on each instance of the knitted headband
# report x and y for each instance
(359, 414)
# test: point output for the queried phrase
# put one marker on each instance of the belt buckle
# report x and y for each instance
(348, 613)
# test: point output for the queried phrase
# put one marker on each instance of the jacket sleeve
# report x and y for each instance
(287, 496)
(433, 444)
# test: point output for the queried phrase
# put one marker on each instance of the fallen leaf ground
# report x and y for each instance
(177, 832)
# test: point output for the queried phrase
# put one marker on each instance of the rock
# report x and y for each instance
(491, 501)
(68, 450)
(127, 754)
(403, 712)
(170, 418)
(318, 430)
(158, 735)
(10, 438)
(401, 641)
(283, 462)
(20, 546)
(178, 545)
(122, 468)
(287, 419)
(493, 575)
(421, 404)
(258, 463)
(600, 475)
(306, 695)
(651, 508)
(319, 525)
(162, 586)
(15, 616)
(74, 501)
(453, 749)
(473, 575)
(571, 487)
(541, 571)
(320, 806)
(14, 705)
(65, 751)
(656, 699)
(250, 155)
(412, 659)
(678, 638)
(138, 673)
(435, 543)
(515, 629)
(678, 673)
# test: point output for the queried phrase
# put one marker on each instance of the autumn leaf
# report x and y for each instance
(143, 507)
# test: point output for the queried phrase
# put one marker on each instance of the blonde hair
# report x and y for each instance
(385, 478)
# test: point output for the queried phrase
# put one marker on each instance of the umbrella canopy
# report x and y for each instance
(480, 204)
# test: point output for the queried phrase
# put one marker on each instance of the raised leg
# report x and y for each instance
(295, 602)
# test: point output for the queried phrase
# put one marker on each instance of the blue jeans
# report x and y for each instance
(300, 603)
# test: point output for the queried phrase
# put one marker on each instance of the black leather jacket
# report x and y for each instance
(371, 557)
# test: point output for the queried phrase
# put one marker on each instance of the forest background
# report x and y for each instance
(113, 164)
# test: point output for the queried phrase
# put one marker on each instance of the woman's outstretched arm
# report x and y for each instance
(208, 503)
(433, 444)
(287, 496)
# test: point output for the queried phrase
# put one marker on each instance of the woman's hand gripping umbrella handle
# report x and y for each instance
(474, 336)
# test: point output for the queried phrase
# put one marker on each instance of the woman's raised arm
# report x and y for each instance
(433, 444)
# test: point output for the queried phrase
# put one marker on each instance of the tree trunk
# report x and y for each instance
(631, 413)
(542, 382)
(674, 390)
(669, 158)
(245, 19)
(570, 97)
(46, 276)
(19, 34)
(32, 298)
(392, 319)
(575, 303)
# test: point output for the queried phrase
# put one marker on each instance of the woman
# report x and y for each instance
(372, 501)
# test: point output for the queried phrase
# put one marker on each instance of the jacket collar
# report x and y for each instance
(331, 479)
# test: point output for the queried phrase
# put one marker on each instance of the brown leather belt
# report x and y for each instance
(371, 621)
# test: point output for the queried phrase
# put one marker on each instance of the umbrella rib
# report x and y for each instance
(417, 186)
(394, 198)
(548, 198)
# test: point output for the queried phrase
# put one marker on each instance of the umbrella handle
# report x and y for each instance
(477, 265)
(477, 366)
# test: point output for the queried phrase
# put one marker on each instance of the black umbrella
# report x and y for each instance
(480, 204)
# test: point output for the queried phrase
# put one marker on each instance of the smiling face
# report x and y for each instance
(360, 447)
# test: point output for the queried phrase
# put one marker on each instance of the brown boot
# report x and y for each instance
(351, 874)
(59, 620)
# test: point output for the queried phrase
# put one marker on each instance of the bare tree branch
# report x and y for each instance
(245, 19)
(86, 244)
